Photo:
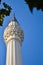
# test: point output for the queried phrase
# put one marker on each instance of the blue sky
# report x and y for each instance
(32, 25)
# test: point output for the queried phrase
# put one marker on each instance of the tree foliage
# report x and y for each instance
(35, 3)
(4, 12)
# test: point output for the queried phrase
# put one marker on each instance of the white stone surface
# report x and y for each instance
(13, 30)
(13, 36)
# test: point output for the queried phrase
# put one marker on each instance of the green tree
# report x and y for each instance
(4, 12)
(35, 4)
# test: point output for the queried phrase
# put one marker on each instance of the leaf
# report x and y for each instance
(1, 19)
(35, 4)
(7, 6)
(0, 1)
(4, 12)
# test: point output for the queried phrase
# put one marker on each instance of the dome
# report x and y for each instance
(13, 30)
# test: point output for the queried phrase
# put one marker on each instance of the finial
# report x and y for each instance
(14, 18)
(14, 14)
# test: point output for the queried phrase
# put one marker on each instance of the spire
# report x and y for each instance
(14, 19)
(12, 29)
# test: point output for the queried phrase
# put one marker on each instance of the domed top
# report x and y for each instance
(13, 31)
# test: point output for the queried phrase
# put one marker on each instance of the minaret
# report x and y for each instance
(13, 36)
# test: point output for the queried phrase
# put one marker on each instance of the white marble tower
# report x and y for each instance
(13, 36)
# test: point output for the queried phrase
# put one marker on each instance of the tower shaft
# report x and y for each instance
(14, 56)
(13, 36)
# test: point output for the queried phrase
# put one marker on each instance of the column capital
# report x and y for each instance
(13, 31)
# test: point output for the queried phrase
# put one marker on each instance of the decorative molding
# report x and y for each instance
(13, 29)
